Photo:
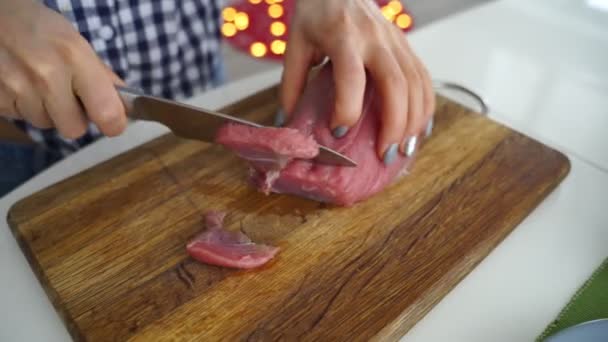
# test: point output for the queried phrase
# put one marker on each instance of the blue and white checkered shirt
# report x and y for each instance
(169, 48)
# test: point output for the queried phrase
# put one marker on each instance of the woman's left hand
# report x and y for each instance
(356, 37)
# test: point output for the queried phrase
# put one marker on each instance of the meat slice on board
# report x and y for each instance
(217, 246)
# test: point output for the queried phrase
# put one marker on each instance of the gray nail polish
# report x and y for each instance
(429, 128)
(322, 62)
(340, 131)
(410, 146)
(391, 154)
(279, 118)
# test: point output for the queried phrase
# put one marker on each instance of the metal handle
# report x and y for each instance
(439, 84)
(128, 96)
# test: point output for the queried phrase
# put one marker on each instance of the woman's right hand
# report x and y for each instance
(49, 72)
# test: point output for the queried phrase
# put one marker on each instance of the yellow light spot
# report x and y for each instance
(228, 13)
(275, 11)
(396, 6)
(404, 21)
(228, 29)
(270, 2)
(278, 46)
(255, 2)
(277, 28)
(241, 20)
(257, 49)
(388, 12)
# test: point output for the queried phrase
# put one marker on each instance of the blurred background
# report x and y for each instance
(423, 12)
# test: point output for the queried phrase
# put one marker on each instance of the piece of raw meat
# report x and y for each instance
(294, 174)
(220, 247)
(270, 148)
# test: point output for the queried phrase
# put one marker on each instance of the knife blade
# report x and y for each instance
(197, 123)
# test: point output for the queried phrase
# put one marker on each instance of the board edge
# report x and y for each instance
(394, 331)
(64, 315)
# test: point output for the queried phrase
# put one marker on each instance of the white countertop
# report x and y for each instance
(542, 65)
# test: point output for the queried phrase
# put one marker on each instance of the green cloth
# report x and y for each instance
(589, 303)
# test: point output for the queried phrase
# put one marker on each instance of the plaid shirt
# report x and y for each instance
(167, 48)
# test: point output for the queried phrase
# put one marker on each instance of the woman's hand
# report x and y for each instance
(47, 70)
(356, 37)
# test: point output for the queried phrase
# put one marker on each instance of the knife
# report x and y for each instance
(196, 123)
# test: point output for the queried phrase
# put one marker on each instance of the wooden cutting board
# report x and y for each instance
(109, 244)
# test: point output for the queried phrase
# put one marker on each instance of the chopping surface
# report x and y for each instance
(109, 244)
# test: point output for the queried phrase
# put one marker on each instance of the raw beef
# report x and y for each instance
(268, 148)
(295, 173)
(220, 247)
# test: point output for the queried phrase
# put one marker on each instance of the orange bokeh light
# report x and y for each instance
(228, 29)
(396, 6)
(257, 49)
(275, 11)
(278, 46)
(228, 13)
(277, 28)
(241, 20)
(388, 12)
(403, 21)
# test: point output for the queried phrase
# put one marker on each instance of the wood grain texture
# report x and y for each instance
(109, 244)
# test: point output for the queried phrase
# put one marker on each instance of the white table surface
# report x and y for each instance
(542, 65)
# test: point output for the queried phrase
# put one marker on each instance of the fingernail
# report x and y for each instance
(340, 131)
(391, 154)
(429, 128)
(322, 62)
(279, 118)
(410, 146)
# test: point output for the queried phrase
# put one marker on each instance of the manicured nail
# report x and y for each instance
(340, 131)
(429, 128)
(410, 146)
(391, 154)
(279, 118)
(322, 62)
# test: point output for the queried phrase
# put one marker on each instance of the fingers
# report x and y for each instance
(8, 108)
(421, 94)
(392, 89)
(46, 98)
(429, 93)
(8, 95)
(51, 97)
(97, 93)
(22, 98)
(30, 106)
(18, 99)
(48, 68)
(358, 39)
(298, 58)
(66, 112)
(349, 82)
(415, 95)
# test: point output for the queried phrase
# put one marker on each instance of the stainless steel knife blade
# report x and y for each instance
(196, 123)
